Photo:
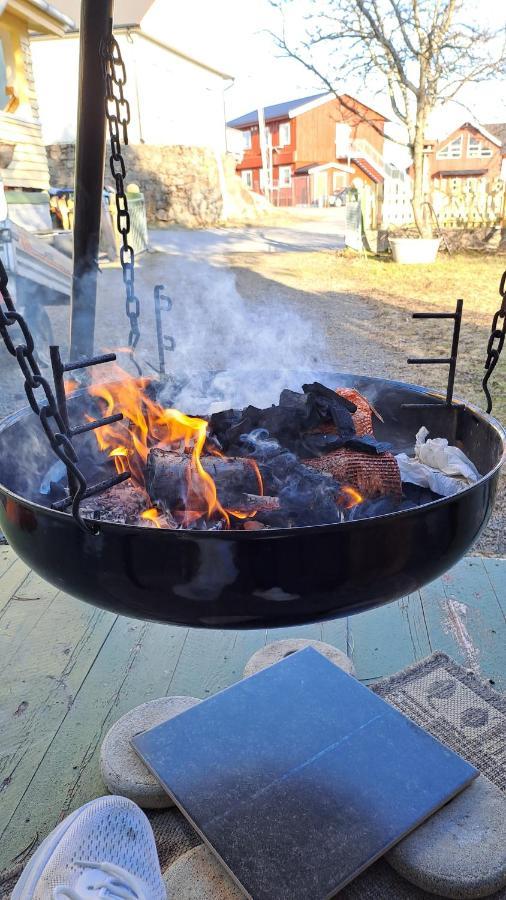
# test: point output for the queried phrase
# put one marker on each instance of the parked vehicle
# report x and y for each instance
(338, 198)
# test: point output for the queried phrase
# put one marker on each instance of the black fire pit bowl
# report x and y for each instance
(278, 577)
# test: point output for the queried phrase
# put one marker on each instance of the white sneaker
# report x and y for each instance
(105, 849)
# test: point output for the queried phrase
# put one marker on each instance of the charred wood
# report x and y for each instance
(168, 474)
(122, 504)
(253, 503)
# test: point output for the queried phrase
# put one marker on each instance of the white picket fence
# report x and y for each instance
(396, 206)
(461, 207)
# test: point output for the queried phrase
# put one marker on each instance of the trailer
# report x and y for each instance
(40, 275)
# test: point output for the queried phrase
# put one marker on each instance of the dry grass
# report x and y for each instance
(391, 292)
(475, 278)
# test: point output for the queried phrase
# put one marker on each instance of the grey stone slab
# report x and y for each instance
(122, 770)
(299, 777)
(460, 851)
(279, 650)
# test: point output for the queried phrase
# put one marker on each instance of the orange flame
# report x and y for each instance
(147, 424)
(349, 497)
(70, 384)
(152, 515)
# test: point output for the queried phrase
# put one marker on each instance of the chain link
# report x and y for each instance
(47, 412)
(117, 111)
(495, 341)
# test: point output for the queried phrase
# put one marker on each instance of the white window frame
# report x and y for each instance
(447, 153)
(246, 135)
(480, 150)
(281, 177)
(473, 152)
(286, 140)
(247, 177)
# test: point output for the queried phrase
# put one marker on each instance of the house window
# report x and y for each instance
(285, 176)
(246, 135)
(284, 134)
(343, 132)
(9, 100)
(453, 150)
(247, 177)
(477, 149)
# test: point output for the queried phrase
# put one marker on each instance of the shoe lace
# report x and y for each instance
(118, 884)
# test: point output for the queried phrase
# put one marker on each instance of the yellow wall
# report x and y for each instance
(21, 127)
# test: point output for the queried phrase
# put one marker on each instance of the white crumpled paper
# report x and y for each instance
(437, 465)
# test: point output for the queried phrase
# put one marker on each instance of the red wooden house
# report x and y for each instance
(314, 146)
(469, 158)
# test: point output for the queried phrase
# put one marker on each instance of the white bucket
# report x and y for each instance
(414, 250)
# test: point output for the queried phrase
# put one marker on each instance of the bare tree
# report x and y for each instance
(422, 51)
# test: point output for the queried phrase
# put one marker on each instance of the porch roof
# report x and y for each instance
(368, 169)
(448, 173)
(322, 167)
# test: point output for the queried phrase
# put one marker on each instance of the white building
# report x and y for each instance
(174, 98)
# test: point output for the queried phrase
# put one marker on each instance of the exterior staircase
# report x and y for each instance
(367, 158)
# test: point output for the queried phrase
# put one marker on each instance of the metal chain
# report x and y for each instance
(48, 413)
(117, 111)
(495, 341)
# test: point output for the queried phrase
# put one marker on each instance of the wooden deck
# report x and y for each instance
(68, 671)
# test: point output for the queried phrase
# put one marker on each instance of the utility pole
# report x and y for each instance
(263, 152)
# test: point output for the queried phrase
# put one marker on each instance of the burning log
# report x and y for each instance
(248, 503)
(168, 474)
(123, 504)
(373, 476)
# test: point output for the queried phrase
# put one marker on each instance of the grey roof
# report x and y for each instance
(278, 111)
(498, 129)
(57, 14)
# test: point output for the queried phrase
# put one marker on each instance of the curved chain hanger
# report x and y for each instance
(495, 341)
(117, 111)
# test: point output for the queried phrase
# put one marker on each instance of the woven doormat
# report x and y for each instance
(451, 703)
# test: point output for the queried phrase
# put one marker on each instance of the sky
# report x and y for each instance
(232, 35)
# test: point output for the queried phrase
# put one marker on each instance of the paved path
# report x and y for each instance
(321, 234)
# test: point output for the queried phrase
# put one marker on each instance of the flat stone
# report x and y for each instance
(198, 875)
(460, 851)
(122, 770)
(273, 653)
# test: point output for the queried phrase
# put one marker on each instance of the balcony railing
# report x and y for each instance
(362, 147)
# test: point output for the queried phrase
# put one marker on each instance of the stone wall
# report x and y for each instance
(181, 184)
